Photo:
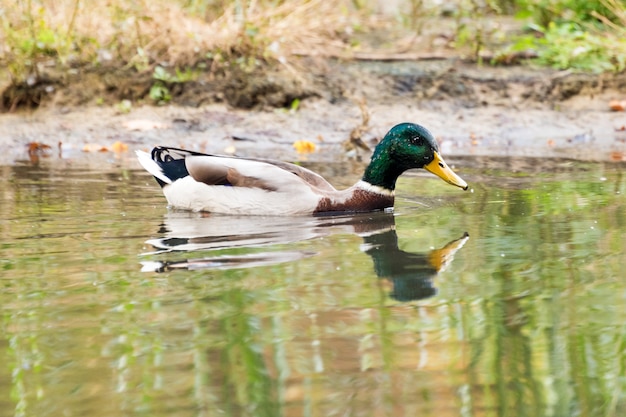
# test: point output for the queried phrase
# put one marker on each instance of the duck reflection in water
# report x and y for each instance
(411, 275)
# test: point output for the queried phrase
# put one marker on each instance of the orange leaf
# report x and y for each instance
(94, 147)
(119, 147)
(304, 146)
(617, 105)
(37, 147)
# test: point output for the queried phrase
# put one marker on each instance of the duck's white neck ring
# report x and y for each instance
(376, 189)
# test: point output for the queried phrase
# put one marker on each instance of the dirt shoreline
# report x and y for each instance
(472, 110)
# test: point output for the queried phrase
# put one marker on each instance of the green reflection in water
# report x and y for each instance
(310, 316)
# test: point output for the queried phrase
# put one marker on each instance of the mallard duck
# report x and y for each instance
(247, 186)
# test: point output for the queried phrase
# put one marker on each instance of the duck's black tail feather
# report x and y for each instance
(167, 154)
(166, 164)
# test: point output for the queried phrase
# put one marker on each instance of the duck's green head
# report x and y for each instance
(407, 146)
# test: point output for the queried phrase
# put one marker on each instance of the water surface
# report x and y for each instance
(113, 305)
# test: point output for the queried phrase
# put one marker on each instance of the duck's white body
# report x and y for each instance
(187, 193)
(229, 185)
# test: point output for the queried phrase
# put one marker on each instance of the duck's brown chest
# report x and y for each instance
(359, 201)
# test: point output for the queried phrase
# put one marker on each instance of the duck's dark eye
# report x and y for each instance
(417, 140)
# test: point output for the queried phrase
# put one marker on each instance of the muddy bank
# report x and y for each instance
(472, 110)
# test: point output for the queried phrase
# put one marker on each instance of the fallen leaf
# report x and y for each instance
(617, 105)
(119, 147)
(617, 156)
(37, 148)
(94, 147)
(304, 146)
(550, 142)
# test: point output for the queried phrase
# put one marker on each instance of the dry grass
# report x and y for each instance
(619, 12)
(143, 33)
(36, 35)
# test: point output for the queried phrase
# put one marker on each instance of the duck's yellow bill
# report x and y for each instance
(443, 171)
(440, 258)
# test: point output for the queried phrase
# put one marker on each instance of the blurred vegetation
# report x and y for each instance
(181, 36)
(573, 34)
